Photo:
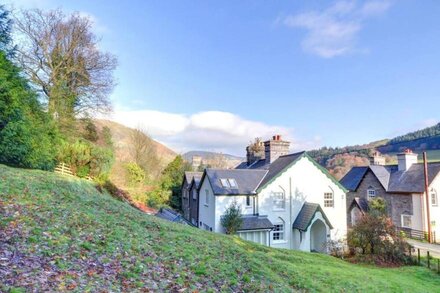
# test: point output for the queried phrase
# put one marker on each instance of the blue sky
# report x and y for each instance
(212, 75)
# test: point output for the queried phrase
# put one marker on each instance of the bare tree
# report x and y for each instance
(60, 54)
(143, 151)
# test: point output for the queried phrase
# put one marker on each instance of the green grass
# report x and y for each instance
(68, 236)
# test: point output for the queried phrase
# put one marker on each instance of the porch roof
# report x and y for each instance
(306, 215)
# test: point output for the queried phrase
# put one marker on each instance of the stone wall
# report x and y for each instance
(397, 204)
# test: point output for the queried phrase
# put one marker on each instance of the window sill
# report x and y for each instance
(279, 241)
(279, 210)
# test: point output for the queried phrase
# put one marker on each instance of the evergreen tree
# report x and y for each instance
(28, 137)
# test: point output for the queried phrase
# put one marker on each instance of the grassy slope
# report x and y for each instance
(66, 235)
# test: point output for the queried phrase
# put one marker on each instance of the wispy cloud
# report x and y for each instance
(333, 31)
(210, 130)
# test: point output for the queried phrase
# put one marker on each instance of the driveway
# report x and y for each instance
(434, 249)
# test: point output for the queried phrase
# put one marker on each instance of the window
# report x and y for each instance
(328, 200)
(194, 194)
(206, 197)
(225, 183)
(233, 183)
(434, 200)
(371, 193)
(278, 232)
(406, 221)
(228, 183)
(278, 201)
(248, 201)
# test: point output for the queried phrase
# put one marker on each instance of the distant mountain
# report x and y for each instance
(201, 159)
(206, 155)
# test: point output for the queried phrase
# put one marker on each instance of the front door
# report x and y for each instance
(318, 236)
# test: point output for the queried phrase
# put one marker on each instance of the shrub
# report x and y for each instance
(158, 198)
(375, 238)
(135, 173)
(86, 158)
(232, 220)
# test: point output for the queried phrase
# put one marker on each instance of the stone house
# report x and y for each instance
(287, 200)
(401, 186)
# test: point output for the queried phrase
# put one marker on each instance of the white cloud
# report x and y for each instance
(210, 130)
(333, 32)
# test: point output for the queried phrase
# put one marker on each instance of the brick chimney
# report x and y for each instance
(274, 148)
(377, 159)
(254, 152)
(406, 160)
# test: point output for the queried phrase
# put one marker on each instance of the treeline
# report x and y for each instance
(423, 133)
(324, 154)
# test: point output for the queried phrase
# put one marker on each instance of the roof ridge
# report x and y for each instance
(293, 154)
(240, 170)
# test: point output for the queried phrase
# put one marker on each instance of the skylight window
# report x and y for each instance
(225, 183)
(232, 183)
(228, 183)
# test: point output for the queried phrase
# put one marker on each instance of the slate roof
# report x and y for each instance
(260, 164)
(255, 223)
(393, 180)
(279, 165)
(190, 175)
(362, 203)
(247, 180)
(196, 181)
(353, 178)
(255, 176)
(306, 215)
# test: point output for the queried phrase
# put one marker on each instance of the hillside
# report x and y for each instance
(340, 160)
(59, 234)
(121, 137)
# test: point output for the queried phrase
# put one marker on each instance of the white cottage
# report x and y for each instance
(287, 200)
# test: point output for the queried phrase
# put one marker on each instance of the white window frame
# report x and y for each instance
(276, 200)
(232, 183)
(206, 197)
(225, 183)
(329, 199)
(371, 193)
(403, 221)
(434, 198)
(279, 233)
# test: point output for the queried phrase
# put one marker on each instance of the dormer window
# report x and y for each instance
(371, 193)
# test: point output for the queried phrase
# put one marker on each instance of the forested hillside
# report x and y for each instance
(340, 160)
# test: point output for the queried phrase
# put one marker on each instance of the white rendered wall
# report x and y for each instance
(206, 212)
(303, 182)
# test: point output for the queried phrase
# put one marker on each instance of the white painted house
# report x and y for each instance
(287, 200)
